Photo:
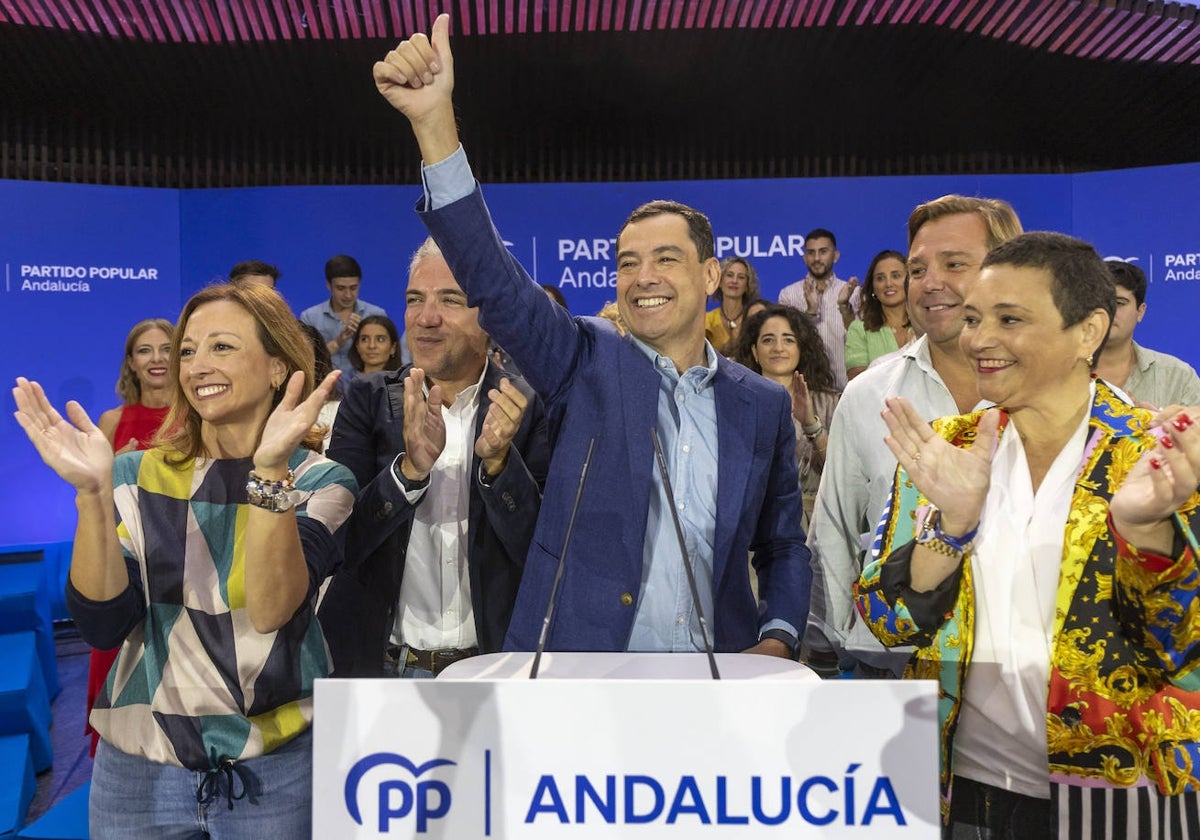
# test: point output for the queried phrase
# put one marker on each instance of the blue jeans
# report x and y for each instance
(391, 666)
(133, 797)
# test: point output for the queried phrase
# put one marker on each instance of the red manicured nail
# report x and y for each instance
(1166, 442)
(1181, 422)
(1155, 464)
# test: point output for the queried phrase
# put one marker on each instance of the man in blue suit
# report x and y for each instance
(450, 479)
(727, 434)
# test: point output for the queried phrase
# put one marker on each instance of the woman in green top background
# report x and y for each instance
(883, 325)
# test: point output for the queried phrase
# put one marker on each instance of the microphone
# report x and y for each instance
(562, 557)
(687, 561)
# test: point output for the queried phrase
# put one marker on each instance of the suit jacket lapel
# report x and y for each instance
(736, 412)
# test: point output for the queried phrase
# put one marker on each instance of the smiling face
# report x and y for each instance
(375, 347)
(150, 359)
(443, 332)
(943, 259)
(1014, 335)
(224, 372)
(735, 279)
(888, 282)
(662, 287)
(777, 351)
(820, 256)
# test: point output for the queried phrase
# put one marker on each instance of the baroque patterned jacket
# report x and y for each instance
(1124, 690)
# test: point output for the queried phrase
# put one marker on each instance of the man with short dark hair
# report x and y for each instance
(1154, 380)
(825, 298)
(948, 241)
(451, 454)
(726, 435)
(255, 271)
(338, 317)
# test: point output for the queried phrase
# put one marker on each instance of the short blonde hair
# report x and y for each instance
(998, 216)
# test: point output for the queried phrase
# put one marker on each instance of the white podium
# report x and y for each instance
(619, 745)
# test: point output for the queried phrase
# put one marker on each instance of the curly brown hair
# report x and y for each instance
(814, 361)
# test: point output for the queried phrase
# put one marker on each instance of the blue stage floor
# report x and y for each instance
(72, 764)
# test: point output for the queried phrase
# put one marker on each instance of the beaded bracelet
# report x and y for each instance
(275, 495)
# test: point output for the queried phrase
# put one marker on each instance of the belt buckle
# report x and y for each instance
(442, 658)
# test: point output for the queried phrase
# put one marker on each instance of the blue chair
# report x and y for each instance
(67, 820)
(17, 784)
(25, 605)
(24, 706)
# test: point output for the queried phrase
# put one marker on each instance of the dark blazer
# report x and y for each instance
(597, 384)
(359, 607)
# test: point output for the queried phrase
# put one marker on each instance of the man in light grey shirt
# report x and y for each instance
(948, 239)
(1152, 379)
(826, 299)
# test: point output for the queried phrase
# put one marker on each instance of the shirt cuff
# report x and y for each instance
(412, 490)
(779, 624)
(1154, 563)
(447, 180)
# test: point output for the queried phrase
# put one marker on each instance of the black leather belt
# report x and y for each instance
(434, 661)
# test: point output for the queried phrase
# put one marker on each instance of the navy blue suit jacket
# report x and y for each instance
(597, 384)
(359, 607)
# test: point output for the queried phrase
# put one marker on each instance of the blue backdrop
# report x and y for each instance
(82, 263)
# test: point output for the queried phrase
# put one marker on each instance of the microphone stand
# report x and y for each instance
(562, 557)
(687, 562)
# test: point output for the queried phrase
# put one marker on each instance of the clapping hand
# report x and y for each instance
(955, 479)
(424, 426)
(76, 449)
(500, 425)
(847, 291)
(289, 422)
(1159, 484)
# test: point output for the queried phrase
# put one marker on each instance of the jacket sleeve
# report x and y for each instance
(835, 527)
(381, 505)
(512, 500)
(1158, 601)
(538, 333)
(894, 612)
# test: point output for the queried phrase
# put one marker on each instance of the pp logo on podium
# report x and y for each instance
(426, 800)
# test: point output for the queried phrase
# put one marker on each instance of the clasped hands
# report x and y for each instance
(425, 428)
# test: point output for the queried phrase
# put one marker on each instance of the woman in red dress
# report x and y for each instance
(145, 386)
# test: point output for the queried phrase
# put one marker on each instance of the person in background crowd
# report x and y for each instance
(219, 643)
(781, 344)
(555, 294)
(825, 298)
(146, 388)
(338, 317)
(948, 239)
(1041, 557)
(611, 312)
(756, 306)
(255, 271)
(605, 394)
(451, 483)
(376, 345)
(144, 385)
(322, 367)
(883, 325)
(1152, 379)
(738, 288)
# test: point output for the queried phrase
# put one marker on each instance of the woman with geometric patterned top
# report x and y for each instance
(224, 532)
